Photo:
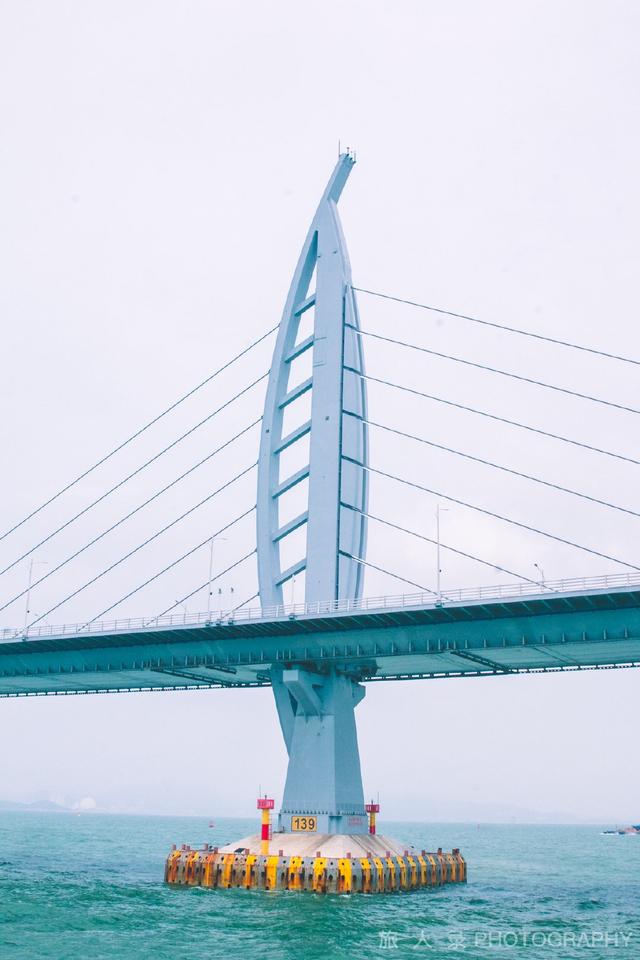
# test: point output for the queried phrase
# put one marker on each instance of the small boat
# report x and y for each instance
(634, 829)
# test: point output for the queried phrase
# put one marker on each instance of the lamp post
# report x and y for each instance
(541, 572)
(439, 510)
(213, 540)
(32, 564)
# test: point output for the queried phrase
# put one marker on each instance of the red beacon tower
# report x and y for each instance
(265, 804)
(372, 808)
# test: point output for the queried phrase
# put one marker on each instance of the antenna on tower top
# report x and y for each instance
(347, 152)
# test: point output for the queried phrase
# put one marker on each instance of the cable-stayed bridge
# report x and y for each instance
(298, 515)
(574, 624)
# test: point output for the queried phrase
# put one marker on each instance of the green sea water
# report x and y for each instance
(91, 886)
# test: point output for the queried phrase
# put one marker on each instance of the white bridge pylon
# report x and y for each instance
(320, 321)
(301, 447)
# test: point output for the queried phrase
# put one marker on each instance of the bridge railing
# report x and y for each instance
(505, 591)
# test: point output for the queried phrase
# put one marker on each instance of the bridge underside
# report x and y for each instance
(536, 634)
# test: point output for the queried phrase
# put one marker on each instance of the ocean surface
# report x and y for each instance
(90, 886)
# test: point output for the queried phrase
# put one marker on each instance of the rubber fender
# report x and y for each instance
(250, 878)
(402, 877)
(345, 875)
(391, 875)
(227, 869)
(209, 870)
(356, 875)
(308, 868)
(171, 868)
(283, 863)
(320, 875)
(341, 875)
(294, 873)
(271, 874)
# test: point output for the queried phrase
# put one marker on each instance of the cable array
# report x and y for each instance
(503, 373)
(373, 516)
(206, 583)
(163, 489)
(499, 326)
(498, 419)
(443, 546)
(132, 513)
(171, 566)
(145, 543)
(136, 472)
(505, 469)
(389, 573)
(141, 430)
(499, 466)
(491, 513)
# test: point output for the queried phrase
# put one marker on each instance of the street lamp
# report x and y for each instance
(32, 563)
(439, 510)
(213, 540)
(541, 572)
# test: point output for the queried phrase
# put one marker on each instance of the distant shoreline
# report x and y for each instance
(53, 808)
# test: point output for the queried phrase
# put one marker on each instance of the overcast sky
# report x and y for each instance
(159, 165)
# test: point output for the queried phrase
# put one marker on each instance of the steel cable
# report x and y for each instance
(139, 432)
(145, 543)
(490, 513)
(169, 566)
(499, 326)
(135, 473)
(503, 373)
(366, 563)
(493, 416)
(202, 586)
(443, 546)
(128, 516)
(497, 466)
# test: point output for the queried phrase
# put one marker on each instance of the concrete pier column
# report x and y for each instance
(324, 782)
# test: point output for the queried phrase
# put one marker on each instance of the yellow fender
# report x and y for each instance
(345, 875)
(392, 873)
(320, 874)
(294, 871)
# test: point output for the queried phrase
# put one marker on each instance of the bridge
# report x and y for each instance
(312, 516)
(573, 625)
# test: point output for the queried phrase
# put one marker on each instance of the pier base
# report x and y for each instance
(325, 840)
(320, 863)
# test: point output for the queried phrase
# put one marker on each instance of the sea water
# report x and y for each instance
(91, 886)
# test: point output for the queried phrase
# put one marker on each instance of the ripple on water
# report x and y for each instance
(98, 895)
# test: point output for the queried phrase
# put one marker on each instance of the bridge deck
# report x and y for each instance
(383, 639)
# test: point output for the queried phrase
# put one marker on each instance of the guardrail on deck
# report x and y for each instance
(504, 591)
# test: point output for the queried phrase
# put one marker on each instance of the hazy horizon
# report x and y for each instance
(523, 818)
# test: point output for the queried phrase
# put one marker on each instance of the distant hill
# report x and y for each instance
(38, 806)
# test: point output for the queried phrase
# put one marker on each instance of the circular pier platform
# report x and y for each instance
(320, 863)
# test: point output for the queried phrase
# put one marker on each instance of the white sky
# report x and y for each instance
(159, 164)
